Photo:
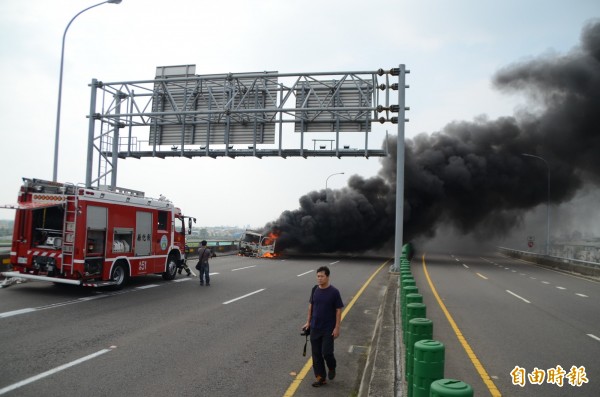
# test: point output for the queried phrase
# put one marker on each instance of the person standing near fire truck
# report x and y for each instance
(184, 265)
(203, 254)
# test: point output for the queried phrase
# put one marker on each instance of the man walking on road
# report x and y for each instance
(323, 321)
(203, 254)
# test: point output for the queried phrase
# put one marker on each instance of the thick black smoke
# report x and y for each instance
(472, 175)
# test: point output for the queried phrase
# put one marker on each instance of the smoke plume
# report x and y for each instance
(472, 175)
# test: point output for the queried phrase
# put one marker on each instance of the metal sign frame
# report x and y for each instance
(181, 114)
(206, 115)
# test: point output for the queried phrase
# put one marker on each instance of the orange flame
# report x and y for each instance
(270, 240)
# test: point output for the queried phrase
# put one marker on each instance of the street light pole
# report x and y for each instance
(60, 80)
(547, 202)
(338, 173)
(400, 156)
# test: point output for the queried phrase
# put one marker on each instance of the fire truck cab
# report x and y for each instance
(94, 236)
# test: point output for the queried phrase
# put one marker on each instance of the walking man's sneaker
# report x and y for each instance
(320, 382)
(331, 374)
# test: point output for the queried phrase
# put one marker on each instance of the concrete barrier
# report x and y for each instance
(221, 247)
(585, 268)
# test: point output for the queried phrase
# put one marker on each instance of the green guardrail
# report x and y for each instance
(424, 357)
(217, 246)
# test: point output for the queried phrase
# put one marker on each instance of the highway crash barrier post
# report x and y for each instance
(413, 297)
(407, 251)
(450, 388)
(409, 298)
(405, 275)
(413, 310)
(418, 329)
(407, 282)
(428, 366)
(409, 289)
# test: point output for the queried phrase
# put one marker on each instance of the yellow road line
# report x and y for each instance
(302, 374)
(482, 276)
(476, 363)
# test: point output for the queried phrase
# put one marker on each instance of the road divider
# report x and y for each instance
(424, 357)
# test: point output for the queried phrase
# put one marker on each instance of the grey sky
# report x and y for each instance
(451, 48)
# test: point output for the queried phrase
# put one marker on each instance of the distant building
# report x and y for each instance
(6, 228)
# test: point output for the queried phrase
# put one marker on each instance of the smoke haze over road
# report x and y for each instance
(471, 175)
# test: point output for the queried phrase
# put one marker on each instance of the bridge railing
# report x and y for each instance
(569, 264)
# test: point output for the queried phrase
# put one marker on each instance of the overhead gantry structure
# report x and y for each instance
(262, 114)
(181, 114)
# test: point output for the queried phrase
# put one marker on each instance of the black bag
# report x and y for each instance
(198, 265)
(306, 331)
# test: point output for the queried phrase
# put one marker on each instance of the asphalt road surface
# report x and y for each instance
(238, 337)
(513, 316)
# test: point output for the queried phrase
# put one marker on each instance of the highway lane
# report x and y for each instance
(240, 336)
(513, 315)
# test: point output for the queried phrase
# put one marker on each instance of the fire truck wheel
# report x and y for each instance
(120, 275)
(171, 270)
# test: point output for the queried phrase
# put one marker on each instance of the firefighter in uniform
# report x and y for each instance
(184, 265)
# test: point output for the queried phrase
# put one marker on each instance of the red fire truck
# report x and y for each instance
(94, 237)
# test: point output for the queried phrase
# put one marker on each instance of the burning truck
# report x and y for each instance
(257, 244)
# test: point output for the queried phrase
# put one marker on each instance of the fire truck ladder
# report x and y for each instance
(68, 243)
